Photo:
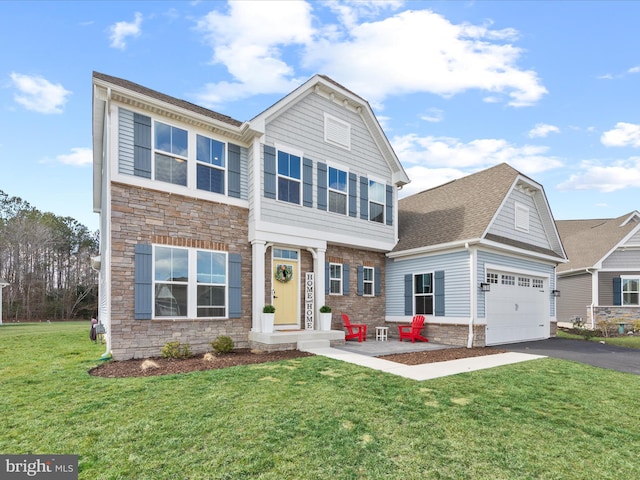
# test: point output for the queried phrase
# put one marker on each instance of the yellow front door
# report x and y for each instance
(285, 292)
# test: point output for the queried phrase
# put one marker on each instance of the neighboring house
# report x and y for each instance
(477, 256)
(602, 279)
(205, 219)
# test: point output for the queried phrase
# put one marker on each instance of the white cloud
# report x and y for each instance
(635, 69)
(543, 130)
(249, 42)
(38, 94)
(120, 31)
(605, 178)
(79, 157)
(451, 152)
(431, 161)
(623, 135)
(433, 115)
(415, 52)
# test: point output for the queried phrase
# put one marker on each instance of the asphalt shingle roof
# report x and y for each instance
(459, 210)
(588, 241)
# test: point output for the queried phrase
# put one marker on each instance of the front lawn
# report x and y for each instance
(313, 418)
(629, 341)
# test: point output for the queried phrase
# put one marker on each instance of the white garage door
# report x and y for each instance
(517, 308)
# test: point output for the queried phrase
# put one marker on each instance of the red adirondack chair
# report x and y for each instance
(413, 331)
(354, 330)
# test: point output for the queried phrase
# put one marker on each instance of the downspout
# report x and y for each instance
(473, 292)
(592, 305)
(106, 169)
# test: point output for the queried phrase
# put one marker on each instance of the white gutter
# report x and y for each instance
(433, 248)
(473, 291)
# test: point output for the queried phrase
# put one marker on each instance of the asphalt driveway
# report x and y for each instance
(592, 353)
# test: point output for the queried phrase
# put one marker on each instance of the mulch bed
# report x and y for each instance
(442, 355)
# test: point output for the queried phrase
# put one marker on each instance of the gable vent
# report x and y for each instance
(337, 132)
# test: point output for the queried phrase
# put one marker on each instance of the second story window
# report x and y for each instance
(171, 147)
(288, 177)
(211, 166)
(376, 201)
(337, 191)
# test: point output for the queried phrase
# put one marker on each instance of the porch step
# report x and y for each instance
(306, 345)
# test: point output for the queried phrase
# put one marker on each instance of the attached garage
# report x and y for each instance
(517, 308)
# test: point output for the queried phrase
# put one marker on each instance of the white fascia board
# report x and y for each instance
(439, 248)
(618, 245)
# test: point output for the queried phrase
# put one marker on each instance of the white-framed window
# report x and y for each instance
(337, 190)
(335, 278)
(630, 290)
(170, 153)
(423, 294)
(521, 217)
(508, 279)
(189, 282)
(492, 278)
(289, 168)
(377, 193)
(368, 279)
(211, 165)
(337, 132)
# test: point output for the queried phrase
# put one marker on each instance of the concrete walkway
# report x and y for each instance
(425, 371)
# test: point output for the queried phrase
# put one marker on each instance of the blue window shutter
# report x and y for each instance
(234, 170)
(438, 293)
(235, 285)
(408, 294)
(377, 281)
(345, 279)
(353, 195)
(269, 172)
(307, 182)
(327, 289)
(142, 282)
(141, 145)
(360, 280)
(389, 206)
(617, 291)
(364, 198)
(322, 186)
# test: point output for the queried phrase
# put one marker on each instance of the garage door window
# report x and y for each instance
(508, 280)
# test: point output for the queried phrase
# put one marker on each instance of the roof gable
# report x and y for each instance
(465, 210)
(589, 242)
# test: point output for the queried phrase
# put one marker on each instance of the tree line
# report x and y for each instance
(46, 260)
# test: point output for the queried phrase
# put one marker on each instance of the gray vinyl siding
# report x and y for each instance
(514, 263)
(575, 297)
(605, 285)
(456, 281)
(504, 224)
(125, 142)
(635, 240)
(621, 260)
(244, 173)
(301, 127)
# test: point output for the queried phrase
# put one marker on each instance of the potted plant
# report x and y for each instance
(268, 317)
(325, 318)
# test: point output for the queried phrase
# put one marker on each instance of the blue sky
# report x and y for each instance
(548, 87)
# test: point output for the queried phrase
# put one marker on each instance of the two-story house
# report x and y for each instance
(205, 219)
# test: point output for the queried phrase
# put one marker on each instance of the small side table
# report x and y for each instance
(382, 334)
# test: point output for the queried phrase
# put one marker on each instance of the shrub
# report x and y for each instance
(269, 309)
(580, 328)
(325, 309)
(222, 344)
(176, 350)
(636, 326)
(607, 327)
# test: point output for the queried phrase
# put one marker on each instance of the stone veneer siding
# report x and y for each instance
(141, 215)
(615, 314)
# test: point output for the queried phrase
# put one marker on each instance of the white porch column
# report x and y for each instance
(318, 268)
(258, 285)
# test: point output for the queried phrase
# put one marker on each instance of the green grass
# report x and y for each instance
(629, 341)
(313, 418)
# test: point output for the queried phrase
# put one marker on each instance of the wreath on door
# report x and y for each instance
(284, 273)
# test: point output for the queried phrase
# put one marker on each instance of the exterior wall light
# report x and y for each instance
(555, 293)
(485, 287)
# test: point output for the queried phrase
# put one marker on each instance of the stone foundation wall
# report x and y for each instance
(615, 314)
(456, 334)
(141, 215)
